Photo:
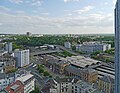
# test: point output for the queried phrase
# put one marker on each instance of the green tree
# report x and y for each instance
(46, 73)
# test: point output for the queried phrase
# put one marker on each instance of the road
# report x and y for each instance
(44, 52)
(63, 48)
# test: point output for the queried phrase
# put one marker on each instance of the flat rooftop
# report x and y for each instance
(25, 77)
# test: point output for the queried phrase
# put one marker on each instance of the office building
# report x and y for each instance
(22, 57)
(8, 47)
(92, 47)
(28, 81)
(67, 45)
(117, 47)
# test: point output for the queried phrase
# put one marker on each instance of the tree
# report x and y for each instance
(73, 47)
(46, 73)
(41, 70)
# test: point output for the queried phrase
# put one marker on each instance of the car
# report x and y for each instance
(34, 65)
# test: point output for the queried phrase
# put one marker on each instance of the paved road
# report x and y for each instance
(44, 52)
(63, 48)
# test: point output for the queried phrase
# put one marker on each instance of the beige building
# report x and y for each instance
(56, 65)
(106, 84)
(89, 75)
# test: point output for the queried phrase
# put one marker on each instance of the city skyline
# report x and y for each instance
(57, 16)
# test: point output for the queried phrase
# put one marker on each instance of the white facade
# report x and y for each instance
(67, 44)
(8, 47)
(90, 48)
(78, 86)
(2, 64)
(28, 81)
(22, 57)
(6, 80)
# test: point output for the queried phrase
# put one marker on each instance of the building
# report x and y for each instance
(55, 64)
(29, 34)
(16, 87)
(106, 84)
(92, 47)
(8, 47)
(88, 75)
(6, 79)
(81, 61)
(117, 47)
(22, 57)
(28, 81)
(7, 63)
(67, 45)
(60, 85)
(2, 52)
(85, 87)
(68, 85)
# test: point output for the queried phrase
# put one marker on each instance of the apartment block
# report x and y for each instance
(22, 57)
(92, 47)
(29, 82)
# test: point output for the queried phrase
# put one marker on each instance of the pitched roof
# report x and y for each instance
(107, 79)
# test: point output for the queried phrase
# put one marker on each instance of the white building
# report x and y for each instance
(8, 47)
(24, 76)
(6, 79)
(22, 57)
(2, 64)
(67, 44)
(28, 81)
(68, 85)
(84, 87)
(92, 47)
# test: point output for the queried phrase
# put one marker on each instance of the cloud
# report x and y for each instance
(70, 0)
(0, 24)
(36, 2)
(30, 2)
(4, 9)
(85, 9)
(114, 1)
(46, 14)
(16, 1)
(75, 21)
(66, 24)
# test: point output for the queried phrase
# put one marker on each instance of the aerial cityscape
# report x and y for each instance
(59, 46)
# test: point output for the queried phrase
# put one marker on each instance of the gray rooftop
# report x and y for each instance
(14, 87)
(107, 79)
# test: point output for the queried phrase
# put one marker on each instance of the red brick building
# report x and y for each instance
(16, 87)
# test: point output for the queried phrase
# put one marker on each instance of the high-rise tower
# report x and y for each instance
(117, 47)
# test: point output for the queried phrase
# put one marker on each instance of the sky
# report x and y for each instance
(57, 16)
